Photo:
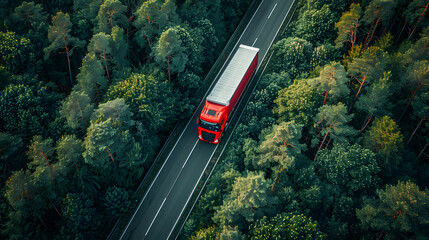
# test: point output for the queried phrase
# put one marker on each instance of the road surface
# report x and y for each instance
(168, 195)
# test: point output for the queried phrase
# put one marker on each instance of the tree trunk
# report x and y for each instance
(411, 34)
(326, 96)
(81, 113)
(375, 28)
(105, 65)
(51, 170)
(68, 63)
(361, 85)
(415, 130)
(409, 102)
(370, 28)
(400, 33)
(366, 124)
(168, 64)
(422, 150)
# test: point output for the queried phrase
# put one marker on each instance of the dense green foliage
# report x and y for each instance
(89, 91)
(332, 145)
(338, 124)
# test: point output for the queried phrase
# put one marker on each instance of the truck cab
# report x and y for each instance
(211, 122)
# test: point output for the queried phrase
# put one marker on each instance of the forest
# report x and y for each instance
(89, 91)
(332, 145)
(334, 141)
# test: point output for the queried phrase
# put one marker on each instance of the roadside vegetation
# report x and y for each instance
(89, 91)
(334, 142)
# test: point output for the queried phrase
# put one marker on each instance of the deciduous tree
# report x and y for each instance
(297, 102)
(286, 226)
(291, 55)
(351, 167)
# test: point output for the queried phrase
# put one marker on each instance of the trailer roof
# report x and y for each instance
(232, 76)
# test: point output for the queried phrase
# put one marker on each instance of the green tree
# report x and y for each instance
(376, 11)
(11, 52)
(41, 153)
(116, 110)
(368, 67)
(152, 18)
(286, 226)
(117, 201)
(170, 51)
(119, 46)
(400, 210)
(353, 168)
(332, 121)
(348, 26)
(91, 78)
(110, 14)
(79, 214)
(376, 100)
(12, 155)
(248, 200)
(77, 109)
(112, 151)
(291, 55)
(297, 102)
(30, 14)
(417, 76)
(210, 41)
(208, 233)
(25, 110)
(151, 99)
(280, 146)
(230, 233)
(69, 151)
(192, 47)
(332, 81)
(414, 13)
(60, 38)
(385, 138)
(317, 24)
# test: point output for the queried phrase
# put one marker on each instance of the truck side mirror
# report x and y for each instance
(198, 121)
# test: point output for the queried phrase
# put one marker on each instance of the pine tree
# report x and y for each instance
(400, 210)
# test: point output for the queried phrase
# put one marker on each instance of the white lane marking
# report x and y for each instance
(174, 183)
(192, 118)
(154, 180)
(193, 190)
(155, 216)
(190, 153)
(254, 42)
(263, 70)
(272, 11)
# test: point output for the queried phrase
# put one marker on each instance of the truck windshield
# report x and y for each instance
(209, 126)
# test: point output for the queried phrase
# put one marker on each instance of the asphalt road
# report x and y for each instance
(168, 195)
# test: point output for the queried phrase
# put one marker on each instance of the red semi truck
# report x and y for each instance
(225, 94)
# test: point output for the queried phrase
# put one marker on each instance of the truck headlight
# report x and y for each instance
(199, 135)
(216, 141)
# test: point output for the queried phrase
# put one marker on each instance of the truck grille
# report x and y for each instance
(208, 136)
